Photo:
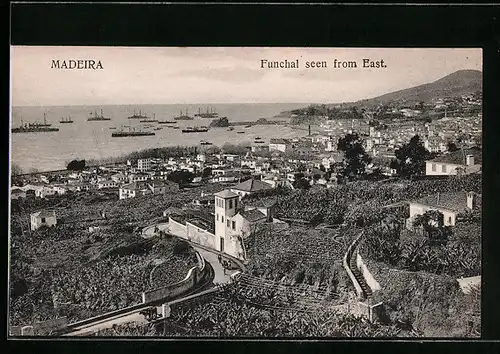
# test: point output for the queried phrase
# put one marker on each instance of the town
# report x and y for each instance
(348, 219)
(305, 200)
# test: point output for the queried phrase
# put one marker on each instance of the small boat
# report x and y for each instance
(258, 138)
(112, 127)
(230, 129)
(158, 128)
(203, 142)
(195, 130)
(240, 132)
(66, 120)
(148, 120)
(248, 126)
(175, 127)
(259, 142)
(124, 133)
(167, 122)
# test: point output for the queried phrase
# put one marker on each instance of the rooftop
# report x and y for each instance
(252, 185)
(252, 215)
(457, 157)
(226, 194)
(45, 214)
(456, 201)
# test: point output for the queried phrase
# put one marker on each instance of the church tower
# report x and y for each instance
(226, 203)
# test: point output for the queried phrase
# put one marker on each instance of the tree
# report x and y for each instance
(221, 122)
(181, 177)
(451, 146)
(301, 183)
(16, 170)
(432, 222)
(76, 165)
(355, 157)
(411, 158)
(207, 172)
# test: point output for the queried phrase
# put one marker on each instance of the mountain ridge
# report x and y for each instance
(455, 84)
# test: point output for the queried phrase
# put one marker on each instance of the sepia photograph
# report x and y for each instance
(245, 192)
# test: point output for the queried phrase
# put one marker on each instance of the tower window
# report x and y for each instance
(228, 222)
(230, 204)
(217, 217)
(233, 225)
(223, 219)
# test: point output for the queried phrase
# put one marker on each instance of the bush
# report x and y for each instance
(180, 248)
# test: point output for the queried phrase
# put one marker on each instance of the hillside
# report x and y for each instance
(456, 84)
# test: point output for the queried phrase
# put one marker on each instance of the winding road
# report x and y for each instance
(221, 276)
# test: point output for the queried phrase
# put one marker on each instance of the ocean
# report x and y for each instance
(92, 140)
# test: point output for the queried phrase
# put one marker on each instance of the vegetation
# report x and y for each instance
(233, 315)
(355, 156)
(181, 177)
(221, 122)
(410, 158)
(299, 255)
(15, 170)
(431, 305)
(362, 201)
(69, 271)
(76, 165)
(235, 149)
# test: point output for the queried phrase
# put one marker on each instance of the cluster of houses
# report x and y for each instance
(232, 221)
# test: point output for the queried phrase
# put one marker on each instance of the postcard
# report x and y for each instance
(245, 192)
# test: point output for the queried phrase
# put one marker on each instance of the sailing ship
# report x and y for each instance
(138, 116)
(97, 117)
(148, 120)
(66, 120)
(123, 133)
(34, 128)
(195, 130)
(183, 116)
(208, 114)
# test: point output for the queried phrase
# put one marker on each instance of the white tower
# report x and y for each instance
(226, 203)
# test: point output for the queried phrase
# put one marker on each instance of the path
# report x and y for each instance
(222, 276)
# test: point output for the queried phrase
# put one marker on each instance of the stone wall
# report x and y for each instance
(176, 228)
(200, 236)
(370, 280)
(194, 276)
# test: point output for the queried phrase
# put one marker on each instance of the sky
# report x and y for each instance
(185, 75)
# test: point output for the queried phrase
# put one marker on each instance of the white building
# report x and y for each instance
(144, 165)
(449, 204)
(455, 163)
(279, 145)
(43, 218)
(136, 189)
(44, 192)
(250, 186)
